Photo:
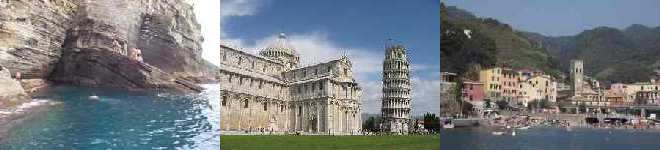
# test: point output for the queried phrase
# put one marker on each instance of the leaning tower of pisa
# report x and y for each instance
(395, 108)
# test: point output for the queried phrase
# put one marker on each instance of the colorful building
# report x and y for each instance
(491, 80)
(473, 91)
(510, 88)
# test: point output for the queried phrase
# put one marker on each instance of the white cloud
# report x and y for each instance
(207, 14)
(425, 95)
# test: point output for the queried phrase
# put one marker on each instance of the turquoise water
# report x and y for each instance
(120, 120)
(550, 139)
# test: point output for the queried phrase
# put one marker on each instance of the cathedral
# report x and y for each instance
(271, 93)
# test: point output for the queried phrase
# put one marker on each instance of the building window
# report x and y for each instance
(281, 108)
(260, 84)
(245, 105)
(316, 71)
(299, 110)
(224, 100)
(265, 106)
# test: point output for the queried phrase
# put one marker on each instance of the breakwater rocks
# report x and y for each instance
(87, 43)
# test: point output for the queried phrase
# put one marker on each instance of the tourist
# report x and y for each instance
(136, 54)
(18, 76)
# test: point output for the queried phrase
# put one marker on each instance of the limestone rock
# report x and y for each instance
(85, 42)
(103, 68)
(31, 34)
(12, 92)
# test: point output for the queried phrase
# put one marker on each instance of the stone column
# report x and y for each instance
(318, 117)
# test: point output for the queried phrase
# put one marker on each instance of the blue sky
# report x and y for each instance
(565, 17)
(324, 30)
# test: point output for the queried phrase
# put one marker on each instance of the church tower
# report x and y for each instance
(280, 50)
(577, 76)
(395, 108)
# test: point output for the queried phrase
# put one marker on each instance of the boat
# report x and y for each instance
(498, 133)
(94, 97)
(448, 126)
(513, 133)
(524, 128)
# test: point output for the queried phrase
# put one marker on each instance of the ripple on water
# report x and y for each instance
(120, 120)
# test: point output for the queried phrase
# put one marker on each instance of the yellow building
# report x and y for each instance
(537, 88)
(491, 80)
(546, 87)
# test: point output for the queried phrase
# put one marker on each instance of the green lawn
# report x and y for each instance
(242, 142)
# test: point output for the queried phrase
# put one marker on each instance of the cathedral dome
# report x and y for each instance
(281, 45)
(282, 51)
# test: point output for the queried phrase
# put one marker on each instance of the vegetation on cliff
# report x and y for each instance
(487, 43)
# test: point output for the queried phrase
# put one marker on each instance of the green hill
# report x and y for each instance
(610, 54)
(497, 42)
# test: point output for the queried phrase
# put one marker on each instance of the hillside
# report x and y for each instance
(610, 54)
(497, 42)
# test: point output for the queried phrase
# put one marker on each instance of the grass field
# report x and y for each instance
(242, 142)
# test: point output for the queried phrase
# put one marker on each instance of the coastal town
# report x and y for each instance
(520, 98)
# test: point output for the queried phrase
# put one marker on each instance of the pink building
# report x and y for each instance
(473, 91)
(509, 84)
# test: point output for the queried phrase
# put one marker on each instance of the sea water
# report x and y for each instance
(550, 139)
(120, 119)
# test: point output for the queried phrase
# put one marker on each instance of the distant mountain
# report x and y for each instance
(496, 42)
(610, 54)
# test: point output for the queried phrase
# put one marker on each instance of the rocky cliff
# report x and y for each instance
(85, 42)
(11, 92)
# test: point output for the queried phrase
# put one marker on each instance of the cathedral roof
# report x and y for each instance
(281, 45)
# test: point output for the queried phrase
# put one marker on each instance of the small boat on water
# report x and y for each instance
(524, 128)
(513, 133)
(448, 124)
(498, 133)
(94, 97)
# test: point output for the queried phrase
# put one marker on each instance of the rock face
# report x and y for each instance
(11, 92)
(31, 34)
(85, 42)
(165, 30)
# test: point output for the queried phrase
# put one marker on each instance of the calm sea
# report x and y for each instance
(550, 139)
(120, 120)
